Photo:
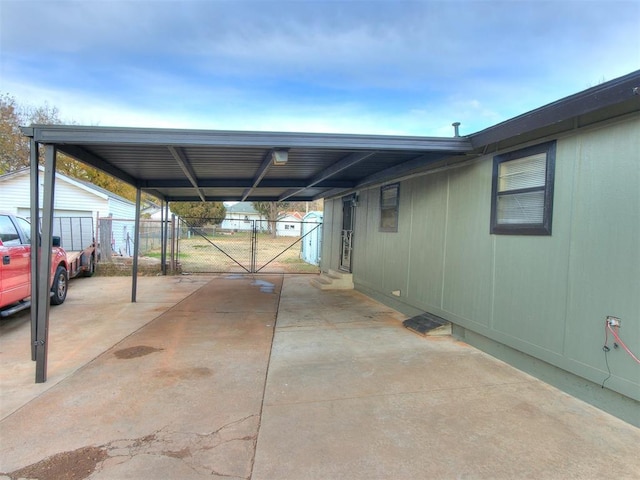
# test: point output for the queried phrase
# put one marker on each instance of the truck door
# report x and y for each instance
(15, 269)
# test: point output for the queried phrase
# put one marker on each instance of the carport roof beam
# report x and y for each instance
(180, 157)
(262, 171)
(97, 162)
(70, 134)
(342, 164)
(241, 183)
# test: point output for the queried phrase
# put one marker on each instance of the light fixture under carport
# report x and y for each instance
(280, 156)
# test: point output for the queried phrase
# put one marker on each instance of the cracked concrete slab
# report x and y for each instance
(180, 397)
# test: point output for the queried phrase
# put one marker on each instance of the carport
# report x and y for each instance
(198, 165)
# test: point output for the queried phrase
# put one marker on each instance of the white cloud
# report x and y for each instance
(357, 67)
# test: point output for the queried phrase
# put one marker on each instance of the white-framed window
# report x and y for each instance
(522, 191)
(389, 202)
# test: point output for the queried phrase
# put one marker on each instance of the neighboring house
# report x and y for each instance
(73, 198)
(154, 212)
(241, 217)
(525, 247)
(288, 224)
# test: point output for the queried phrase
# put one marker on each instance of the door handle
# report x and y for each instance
(6, 260)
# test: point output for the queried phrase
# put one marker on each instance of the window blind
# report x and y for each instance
(520, 208)
(527, 172)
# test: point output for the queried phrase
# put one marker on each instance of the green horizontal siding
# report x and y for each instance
(546, 296)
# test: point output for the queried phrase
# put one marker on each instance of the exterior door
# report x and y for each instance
(348, 218)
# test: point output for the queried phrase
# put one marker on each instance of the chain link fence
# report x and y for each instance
(259, 247)
(204, 247)
(116, 237)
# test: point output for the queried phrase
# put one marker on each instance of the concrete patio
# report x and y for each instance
(267, 378)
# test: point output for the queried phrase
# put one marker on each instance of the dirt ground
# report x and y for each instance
(232, 253)
(220, 254)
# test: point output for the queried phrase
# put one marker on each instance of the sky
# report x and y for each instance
(364, 67)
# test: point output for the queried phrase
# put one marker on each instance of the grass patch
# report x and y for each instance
(158, 255)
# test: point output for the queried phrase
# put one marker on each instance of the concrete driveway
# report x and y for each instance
(268, 378)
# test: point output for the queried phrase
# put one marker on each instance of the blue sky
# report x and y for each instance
(376, 67)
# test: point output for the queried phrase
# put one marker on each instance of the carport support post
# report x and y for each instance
(174, 243)
(35, 232)
(166, 236)
(163, 238)
(42, 301)
(136, 249)
(162, 250)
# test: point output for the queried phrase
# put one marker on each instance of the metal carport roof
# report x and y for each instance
(194, 165)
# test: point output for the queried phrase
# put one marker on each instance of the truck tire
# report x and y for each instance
(59, 286)
(91, 268)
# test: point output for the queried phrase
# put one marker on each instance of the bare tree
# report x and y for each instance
(270, 211)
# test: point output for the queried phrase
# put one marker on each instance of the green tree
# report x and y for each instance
(198, 214)
(271, 210)
(14, 146)
(304, 207)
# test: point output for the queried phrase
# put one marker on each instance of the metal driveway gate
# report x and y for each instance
(257, 246)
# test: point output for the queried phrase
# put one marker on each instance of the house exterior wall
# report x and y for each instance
(121, 209)
(288, 226)
(73, 200)
(544, 296)
(70, 200)
(331, 230)
(241, 216)
(122, 226)
(241, 221)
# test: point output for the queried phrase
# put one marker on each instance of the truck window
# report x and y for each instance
(26, 228)
(8, 233)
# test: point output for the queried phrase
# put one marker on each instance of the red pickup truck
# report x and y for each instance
(15, 268)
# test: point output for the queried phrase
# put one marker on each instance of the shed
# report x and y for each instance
(311, 231)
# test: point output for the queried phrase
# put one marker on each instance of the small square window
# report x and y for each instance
(389, 196)
(522, 191)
